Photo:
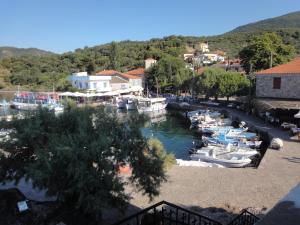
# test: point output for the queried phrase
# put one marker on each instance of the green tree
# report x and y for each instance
(265, 51)
(76, 157)
(114, 56)
(208, 82)
(168, 72)
(231, 83)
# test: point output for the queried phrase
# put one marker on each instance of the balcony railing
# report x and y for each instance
(245, 218)
(165, 213)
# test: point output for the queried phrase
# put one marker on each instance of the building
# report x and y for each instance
(149, 62)
(139, 72)
(188, 56)
(87, 82)
(282, 81)
(204, 47)
(122, 80)
(106, 80)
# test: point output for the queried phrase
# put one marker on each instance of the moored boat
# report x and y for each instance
(151, 104)
(228, 160)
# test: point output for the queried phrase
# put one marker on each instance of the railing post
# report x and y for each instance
(176, 216)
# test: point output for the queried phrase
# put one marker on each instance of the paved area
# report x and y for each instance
(286, 211)
(260, 188)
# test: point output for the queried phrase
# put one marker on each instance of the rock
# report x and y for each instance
(276, 143)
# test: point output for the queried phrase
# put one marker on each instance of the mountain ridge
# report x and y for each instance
(10, 51)
(287, 21)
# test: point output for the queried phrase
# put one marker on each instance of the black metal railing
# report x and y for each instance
(166, 213)
(245, 218)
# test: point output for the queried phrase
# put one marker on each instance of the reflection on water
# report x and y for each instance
(173, 133)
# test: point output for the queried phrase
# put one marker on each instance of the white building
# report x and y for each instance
(208, 58)
(204, 47)
(87, 82)
(149, 62)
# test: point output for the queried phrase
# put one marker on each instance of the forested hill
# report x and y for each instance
(40, 69)
(6, 52)
(288, 21)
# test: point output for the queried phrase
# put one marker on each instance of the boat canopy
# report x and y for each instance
(109, 93)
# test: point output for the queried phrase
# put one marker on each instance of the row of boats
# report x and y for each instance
(222, 144)
(33, 100)
(142, 104)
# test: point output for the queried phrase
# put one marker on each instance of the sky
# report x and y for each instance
(64, 25)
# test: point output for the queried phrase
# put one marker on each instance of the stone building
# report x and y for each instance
(282, 81)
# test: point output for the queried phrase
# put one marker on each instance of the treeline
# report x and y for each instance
(46, 72)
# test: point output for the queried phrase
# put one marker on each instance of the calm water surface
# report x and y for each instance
(171, 130)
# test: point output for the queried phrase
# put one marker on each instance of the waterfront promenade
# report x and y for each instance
(260, 188)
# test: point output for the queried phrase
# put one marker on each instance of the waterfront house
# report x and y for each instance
(139, 72)
(281, 81)
(122, 80)
(278, 92)
(87, 82)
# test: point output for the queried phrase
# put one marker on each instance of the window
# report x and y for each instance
(276, 82)
(104, 84)
(95, 85)
(86, 85)
(123, 86)
(80, 85)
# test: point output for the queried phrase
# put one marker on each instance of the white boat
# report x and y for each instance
(131, 104)
(151, 104)
(181, 162)
(229, 149)
(239, 133)
(4, 103)
(120, 102)
(228, 159)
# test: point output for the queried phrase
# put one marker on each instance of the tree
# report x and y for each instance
(265, 51)
(231, 83)
(168, 72)
(215, 82)
(76, 157)
(208, 82)
(114, 56)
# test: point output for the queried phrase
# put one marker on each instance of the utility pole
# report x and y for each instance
(271, 59)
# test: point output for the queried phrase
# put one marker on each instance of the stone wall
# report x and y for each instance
(290, 86)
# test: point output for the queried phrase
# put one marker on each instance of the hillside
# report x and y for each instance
(6, 52)
(35, 68)
(288, 21)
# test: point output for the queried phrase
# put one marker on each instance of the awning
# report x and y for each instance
(268, 104)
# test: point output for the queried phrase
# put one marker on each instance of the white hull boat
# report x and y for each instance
(229, 149)
(233, 160)
(131, 105)
(24, 106)
(151, 104)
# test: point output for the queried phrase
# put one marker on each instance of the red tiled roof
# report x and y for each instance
(136, 72)
(292, 67)
(129, 76)
(116, 73)
(107, 73)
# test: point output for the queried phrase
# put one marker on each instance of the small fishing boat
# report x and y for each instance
(239, 133)
(4, 103)
(198, 163)
(222, 149)
(151, 104)
(131, 104)
(233, 160)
